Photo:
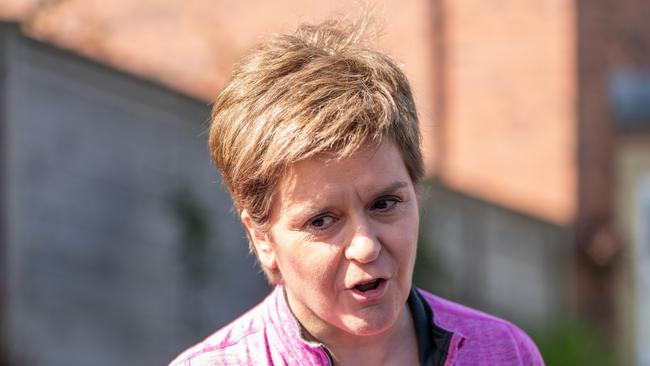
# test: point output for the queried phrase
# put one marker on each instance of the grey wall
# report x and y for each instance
(499, 261)
(4, 30)
(121, 246)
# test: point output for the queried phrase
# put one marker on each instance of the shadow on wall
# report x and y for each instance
(195, 235)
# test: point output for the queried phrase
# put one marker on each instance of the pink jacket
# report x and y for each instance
(269, 335)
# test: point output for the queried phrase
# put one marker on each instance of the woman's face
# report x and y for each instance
(343, 235)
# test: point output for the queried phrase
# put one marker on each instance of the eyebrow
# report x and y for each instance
(392, 187)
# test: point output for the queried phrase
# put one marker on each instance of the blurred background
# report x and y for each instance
(118, 244)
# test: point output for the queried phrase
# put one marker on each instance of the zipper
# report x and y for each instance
(327, 352)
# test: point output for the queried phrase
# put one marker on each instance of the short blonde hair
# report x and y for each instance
(314, 91)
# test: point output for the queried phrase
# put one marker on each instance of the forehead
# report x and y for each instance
(323, 178)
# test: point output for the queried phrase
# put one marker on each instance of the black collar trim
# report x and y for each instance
(433, 341)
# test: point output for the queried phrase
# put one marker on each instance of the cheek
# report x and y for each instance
(315, 263)
(404, 249)
(404, 239)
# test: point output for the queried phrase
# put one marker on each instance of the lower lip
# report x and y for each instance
(370, 295)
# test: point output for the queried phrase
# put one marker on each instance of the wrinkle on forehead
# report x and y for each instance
(314, 183)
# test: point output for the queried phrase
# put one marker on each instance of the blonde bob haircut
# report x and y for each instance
(318, 90)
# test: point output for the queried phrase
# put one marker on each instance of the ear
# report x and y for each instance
(263, 247)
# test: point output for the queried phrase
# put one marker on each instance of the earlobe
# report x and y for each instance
(261, 243)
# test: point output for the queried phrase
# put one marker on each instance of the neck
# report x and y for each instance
(396, 346)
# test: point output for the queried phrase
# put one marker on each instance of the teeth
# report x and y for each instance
(367, 286)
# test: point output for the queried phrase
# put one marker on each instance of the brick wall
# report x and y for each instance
(509, 129)
(613, 36)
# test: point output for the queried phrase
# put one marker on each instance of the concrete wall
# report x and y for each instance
(494, 259)
(3, 230)
(121, 246)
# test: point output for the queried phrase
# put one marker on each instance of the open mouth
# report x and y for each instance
(369, 286)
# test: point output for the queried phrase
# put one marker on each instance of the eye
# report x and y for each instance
(385, 204)
(321, 222)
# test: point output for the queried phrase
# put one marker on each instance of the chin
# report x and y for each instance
(372, 321)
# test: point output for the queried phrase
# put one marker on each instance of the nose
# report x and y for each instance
(364, 247)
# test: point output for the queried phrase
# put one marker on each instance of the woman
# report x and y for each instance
(317, 140)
